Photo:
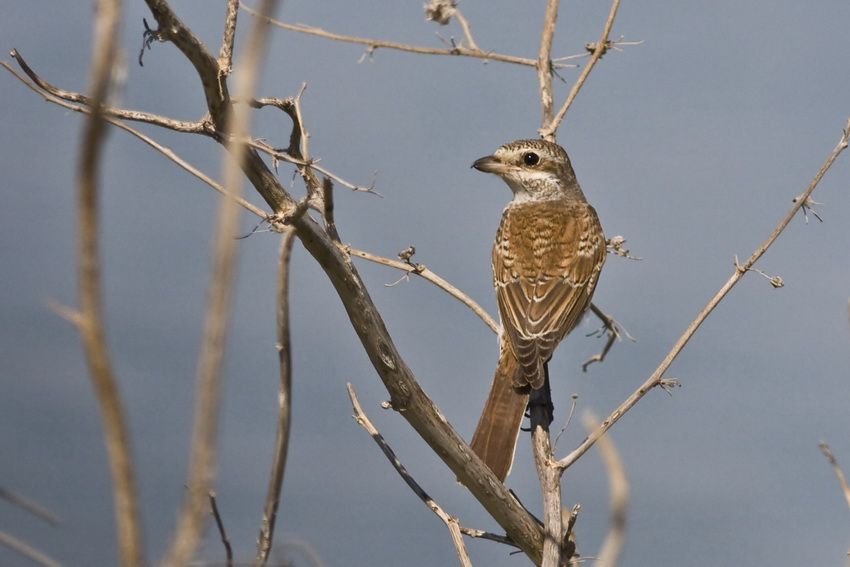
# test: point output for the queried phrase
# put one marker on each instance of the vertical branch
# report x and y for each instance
(90, 320)
(544, 61)
(549, 129)
(284, 400)
(540, 410)
(202, 457)
(225, 55)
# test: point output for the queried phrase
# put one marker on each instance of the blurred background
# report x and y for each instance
(690, 145)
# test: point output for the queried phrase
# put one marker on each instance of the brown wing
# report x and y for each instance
(546, 262)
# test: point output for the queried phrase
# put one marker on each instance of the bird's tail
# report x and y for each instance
(496, 435)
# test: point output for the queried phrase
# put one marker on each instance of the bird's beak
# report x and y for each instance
(489, 164)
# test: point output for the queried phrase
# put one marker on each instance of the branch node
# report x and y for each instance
(669, 384)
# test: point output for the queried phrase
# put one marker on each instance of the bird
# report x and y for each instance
(547, 256)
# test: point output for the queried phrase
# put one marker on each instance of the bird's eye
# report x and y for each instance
(530, 158)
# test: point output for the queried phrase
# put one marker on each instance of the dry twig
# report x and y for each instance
(222, 533)
(839, 474)
(284, 401)
(657, 376)
(451, 522)
(26, 550)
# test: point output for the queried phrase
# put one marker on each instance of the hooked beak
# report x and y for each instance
(489, 164)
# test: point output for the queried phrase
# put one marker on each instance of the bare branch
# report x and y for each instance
(544, 60)
(657, 376)
(31, 506)
(228, 549)
(90, 325)
(839, 474)
(284, 400)
(610, 327)
(373, 44)
(225, 54)
(548, 130)
(203, 446)
(540, 410)
(425, 273)
(618, 488)
(27, 550)
(451, 522)
(199, 127)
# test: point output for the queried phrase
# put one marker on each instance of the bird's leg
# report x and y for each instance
(541, 410)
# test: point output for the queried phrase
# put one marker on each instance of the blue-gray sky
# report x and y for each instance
(690, 145)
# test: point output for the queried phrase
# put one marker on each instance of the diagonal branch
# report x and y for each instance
(740, 269)
(225, 54)
(26, 550)
(451, 523)
(548, 130)
(839, 474)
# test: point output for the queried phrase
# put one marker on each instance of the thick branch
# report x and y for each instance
(656, 378)
(408, 398)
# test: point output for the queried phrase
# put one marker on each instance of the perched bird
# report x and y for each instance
(547, 256)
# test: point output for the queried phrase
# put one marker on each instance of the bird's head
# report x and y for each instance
(535, 170)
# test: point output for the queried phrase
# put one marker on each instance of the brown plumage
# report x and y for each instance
(547, 256)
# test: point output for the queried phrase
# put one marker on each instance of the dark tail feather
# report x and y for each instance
(495, 436)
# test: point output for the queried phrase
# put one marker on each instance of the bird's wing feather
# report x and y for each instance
(546, 262)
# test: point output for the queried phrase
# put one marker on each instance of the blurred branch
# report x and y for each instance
(228, 549)
(451, 522)
(657, 376)
(839, 474)
(31, 506)
(90, 321)
(373, 44)
(618, 488)
(204, 431)
(284, 400)
(27, 550)
(548, 130)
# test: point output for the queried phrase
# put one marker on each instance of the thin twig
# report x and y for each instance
(451, 522)
(467, 31)
(481, 534)
(27, 550)
(31, 506)
(284, 401)
(204, 433)
(373, 44)
(90, 295)
(199, 127)
(225, 54)
(611, 328)
(618, 488)
(425, 273)
(222, 533)
(839, 474)
(548, 130)
(544, 60)
(656, 378)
